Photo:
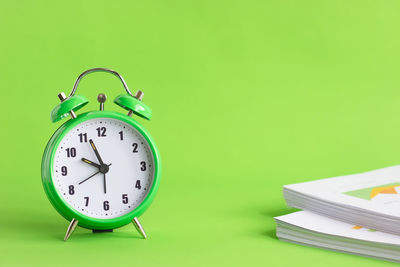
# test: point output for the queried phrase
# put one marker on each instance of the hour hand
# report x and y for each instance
(91, 163)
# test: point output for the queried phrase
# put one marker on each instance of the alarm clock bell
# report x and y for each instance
(68, 106)
(134, 104)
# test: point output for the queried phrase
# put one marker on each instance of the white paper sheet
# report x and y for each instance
(376, 191)
(317, 223)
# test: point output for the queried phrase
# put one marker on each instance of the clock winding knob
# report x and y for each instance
(139, 95)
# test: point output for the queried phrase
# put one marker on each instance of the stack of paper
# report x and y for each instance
(304, 227)
(370, 199)
(342, 211)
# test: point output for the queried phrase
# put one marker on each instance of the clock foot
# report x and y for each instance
(139, 227)
(71, 228)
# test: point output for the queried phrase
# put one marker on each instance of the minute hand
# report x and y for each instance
(96, 152)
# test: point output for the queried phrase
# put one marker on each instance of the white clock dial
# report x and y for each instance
(127, 180)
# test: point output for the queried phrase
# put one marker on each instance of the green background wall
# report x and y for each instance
(246, 95)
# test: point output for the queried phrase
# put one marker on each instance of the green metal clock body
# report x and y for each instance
(132, 175)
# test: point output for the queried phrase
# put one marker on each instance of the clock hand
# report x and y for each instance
(94, 175)
(104, 178)
(96, 152)
(89, 177)
(91, 163)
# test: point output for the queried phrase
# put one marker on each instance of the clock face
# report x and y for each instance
(103, 168)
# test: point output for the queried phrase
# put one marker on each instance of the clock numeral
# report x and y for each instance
(137, 185)
(82, 137)
(101, 131)
(125, 198)
(121, 135)
(106, 205)
(135, 147)
(87, 201)
(71, 152)
(71, 190)
(143, 164)
(64, 171)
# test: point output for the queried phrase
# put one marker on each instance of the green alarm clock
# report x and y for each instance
(101, 169)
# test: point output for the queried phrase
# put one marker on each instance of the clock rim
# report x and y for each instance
(66, 210)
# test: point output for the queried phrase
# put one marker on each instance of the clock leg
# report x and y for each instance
(71, 228)
(139, 227)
